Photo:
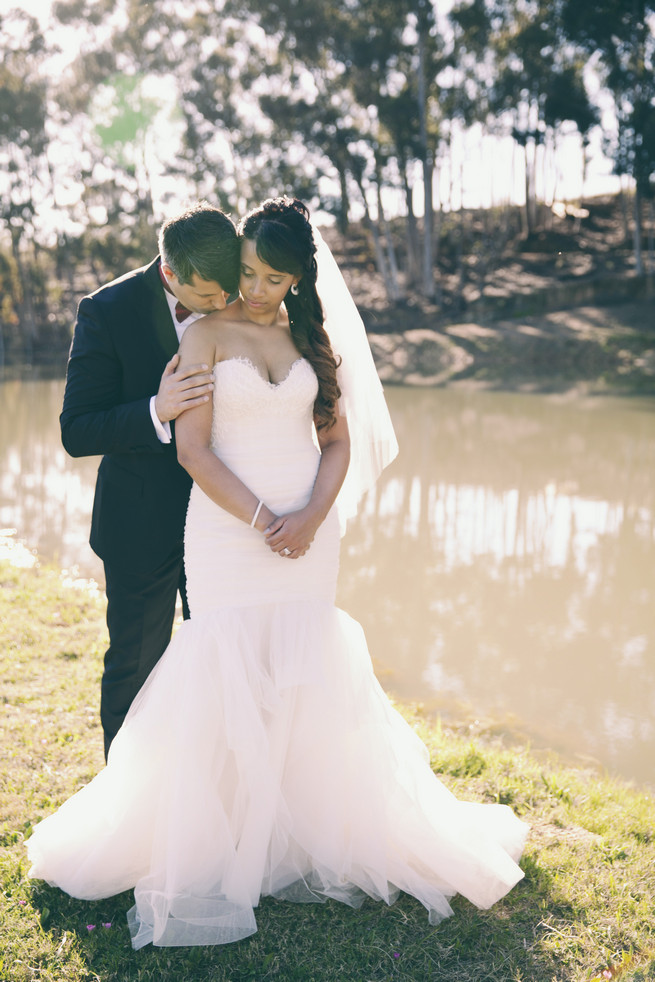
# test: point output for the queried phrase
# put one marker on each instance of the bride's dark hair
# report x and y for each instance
(282, 234)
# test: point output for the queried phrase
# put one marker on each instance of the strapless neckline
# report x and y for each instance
(244, 360)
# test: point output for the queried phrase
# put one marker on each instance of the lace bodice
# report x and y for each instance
(243, 398)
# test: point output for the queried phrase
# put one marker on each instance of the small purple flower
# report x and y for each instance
(396, 954)
(90, 927)
(22, 903)
(106, 923)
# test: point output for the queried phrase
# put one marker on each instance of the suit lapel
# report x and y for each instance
(159, 311)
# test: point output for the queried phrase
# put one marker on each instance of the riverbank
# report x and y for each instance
(560, 311)
(584, 907)
(589, 350)
(566, 309)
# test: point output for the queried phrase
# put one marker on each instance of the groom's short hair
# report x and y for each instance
(202, 241)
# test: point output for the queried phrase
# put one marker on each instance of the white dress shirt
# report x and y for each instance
(163, 430)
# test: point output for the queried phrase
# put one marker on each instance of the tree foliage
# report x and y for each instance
(621, 33)
(356, 106)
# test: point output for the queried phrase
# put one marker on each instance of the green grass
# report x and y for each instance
(586, 905)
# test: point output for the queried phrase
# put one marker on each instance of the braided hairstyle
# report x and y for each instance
(283, 240)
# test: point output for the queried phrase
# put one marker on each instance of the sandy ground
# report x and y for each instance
(591, 349)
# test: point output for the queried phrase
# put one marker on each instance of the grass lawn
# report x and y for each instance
(585, 910)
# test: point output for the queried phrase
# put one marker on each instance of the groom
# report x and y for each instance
(123, 393)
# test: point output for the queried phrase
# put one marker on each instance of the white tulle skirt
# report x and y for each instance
(262, 758)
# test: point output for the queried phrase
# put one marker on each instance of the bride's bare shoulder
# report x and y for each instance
(199, 343)
(205, 337)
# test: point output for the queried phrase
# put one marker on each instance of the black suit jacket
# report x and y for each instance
(124, 335)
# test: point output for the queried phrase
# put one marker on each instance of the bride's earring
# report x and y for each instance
(294, 289)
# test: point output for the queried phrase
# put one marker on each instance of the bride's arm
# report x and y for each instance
(296, 530)
(193, 437)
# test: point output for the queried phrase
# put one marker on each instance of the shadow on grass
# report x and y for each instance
(327, 942)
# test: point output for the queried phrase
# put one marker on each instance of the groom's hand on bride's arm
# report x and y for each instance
(183, 389)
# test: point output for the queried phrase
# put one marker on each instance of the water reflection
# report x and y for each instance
(44, 494)
(503, 567)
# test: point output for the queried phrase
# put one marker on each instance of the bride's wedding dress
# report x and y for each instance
(261, 757)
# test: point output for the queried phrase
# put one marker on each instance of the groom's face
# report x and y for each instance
(201, 296)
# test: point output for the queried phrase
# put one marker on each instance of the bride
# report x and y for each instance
(261, 757)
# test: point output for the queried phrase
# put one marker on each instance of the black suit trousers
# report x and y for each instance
(140, 615)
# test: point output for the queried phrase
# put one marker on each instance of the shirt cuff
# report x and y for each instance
(163, 430)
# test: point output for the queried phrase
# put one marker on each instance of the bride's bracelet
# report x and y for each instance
(256, 515)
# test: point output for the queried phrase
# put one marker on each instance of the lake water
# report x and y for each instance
(503, 568)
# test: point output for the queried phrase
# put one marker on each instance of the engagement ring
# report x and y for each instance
(286, 552)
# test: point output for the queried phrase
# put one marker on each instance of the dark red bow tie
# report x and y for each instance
(181, 312)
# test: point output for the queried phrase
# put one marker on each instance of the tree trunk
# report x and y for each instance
(395, 287)
(344, 205)
(529, 224)
(394, 290)
(428, 167)
(639, 259)
(380, 258)
(412, 231)
(624, 212)
(27, 323)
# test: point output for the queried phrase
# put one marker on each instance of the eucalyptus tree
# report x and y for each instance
(24, 180)
(534, 67)
(397, 114)
(109, 100)
(229, 104)
(396, 56)
(619, 36)
(304, 92)
(472, 24)
(362, 94)
(171, 87)
(318, 134)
